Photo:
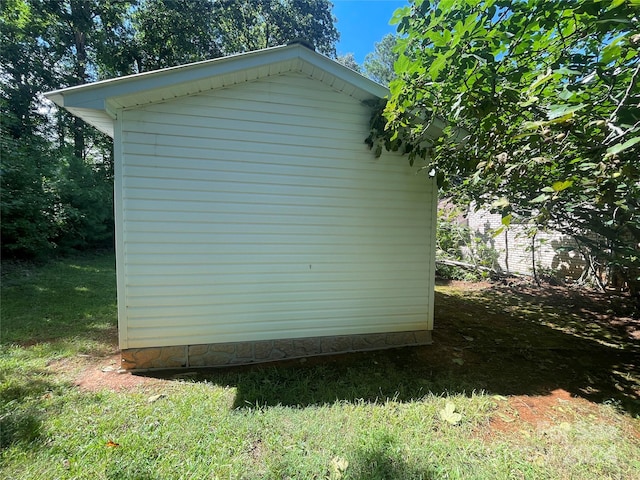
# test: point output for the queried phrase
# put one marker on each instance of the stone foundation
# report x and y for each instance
(243, 353)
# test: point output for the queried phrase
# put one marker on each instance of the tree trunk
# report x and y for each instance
(533, 259)
(506, 250)
(80, 18)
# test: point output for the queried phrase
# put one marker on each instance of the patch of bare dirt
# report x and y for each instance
(527, 412)
(105, 374)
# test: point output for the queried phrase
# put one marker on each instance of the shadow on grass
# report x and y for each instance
(20, 427)
(499, 340)
(21, 411)
(62, 308)
(381, 458)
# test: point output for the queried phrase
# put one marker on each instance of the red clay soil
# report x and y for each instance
(105, 374)
(533, 412)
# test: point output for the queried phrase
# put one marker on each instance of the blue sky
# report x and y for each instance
(362, 23)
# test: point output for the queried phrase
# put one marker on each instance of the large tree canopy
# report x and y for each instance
(541, 105)
(172, 32)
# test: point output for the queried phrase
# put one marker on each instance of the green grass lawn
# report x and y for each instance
(386, 415)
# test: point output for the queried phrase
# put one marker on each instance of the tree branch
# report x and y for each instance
(632, 84)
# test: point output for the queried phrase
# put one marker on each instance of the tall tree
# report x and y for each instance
(267, 23)
(174, 32)
(26, 68)
(51, 161)
(165, 33)
(27, 203)
(378, 65)
(349, 61)
(26, 166)
(541, 103)
(81, 35)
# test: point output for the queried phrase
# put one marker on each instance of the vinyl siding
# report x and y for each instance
(257, 212)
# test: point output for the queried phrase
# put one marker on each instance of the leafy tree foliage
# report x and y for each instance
(378, 65)
(259, 24)
(349, 61)
(27, 201)
(172, 32)
(26, 67)
(540, 101)
(165, 33)
(50, 160)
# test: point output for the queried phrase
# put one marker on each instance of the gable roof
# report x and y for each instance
(96, 103)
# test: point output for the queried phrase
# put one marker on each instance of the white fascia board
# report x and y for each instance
(344, 73)
(94, 96)
(93, 110)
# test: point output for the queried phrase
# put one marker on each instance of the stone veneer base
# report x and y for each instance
(243, 353)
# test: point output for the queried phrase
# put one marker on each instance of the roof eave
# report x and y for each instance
(90, 101)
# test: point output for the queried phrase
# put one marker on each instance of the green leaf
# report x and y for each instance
(613, 50)
(560, 186)
(542, 78)
(399, 14)
(622, 146)
(561, 111)
(567, 71)
(501, 203)
(445, 5)
(543, 197)
(529, 101)
(616, 4)
(566, 94)
(437, 66)
(588, 166)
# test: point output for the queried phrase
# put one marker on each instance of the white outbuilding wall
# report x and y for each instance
(257, 212)
(252, 221)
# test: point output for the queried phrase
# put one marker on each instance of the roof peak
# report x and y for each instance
(304, 42)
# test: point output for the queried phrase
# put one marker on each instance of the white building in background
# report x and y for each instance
(517, 249)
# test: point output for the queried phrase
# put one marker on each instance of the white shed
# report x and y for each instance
(252, 221)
